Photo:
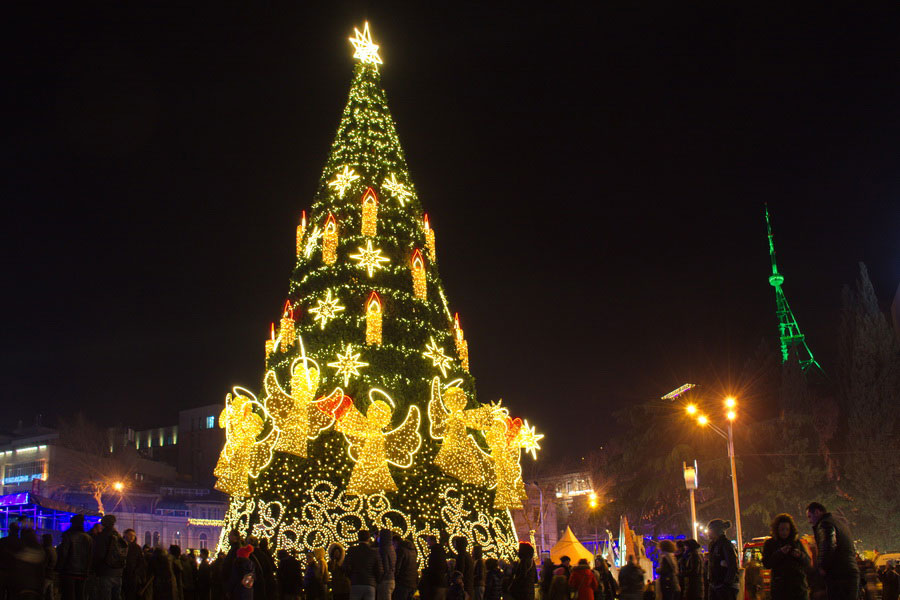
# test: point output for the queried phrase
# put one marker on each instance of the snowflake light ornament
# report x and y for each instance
(370, 258)
(343, 180)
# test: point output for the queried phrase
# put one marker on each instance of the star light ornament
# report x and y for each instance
(437, 356)
(348, 364)
(311, 241)
(326, 309)
(398, 189)
(370, 258)
(343, 180)
(366, 50)
(530, 439)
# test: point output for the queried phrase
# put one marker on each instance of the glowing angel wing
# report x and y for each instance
(353, 425)
(404, 441)
(481, 417)
(278, 402)
(437, 412)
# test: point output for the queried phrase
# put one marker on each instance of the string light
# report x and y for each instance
(462, 346)
(301, 229)
(459, 456)
(399, 190)
(418, 275)
(373, 320)
(429, 240)
(370, 258)
(286, 327)
(242, 426)
(369, 213)
(437, 356)
(343, 180)
(329, 240)
(314, 234)
(348, 364)
(326, 309)
(270, 343)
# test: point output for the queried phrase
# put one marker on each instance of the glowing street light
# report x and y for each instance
(731, 415)
(691, 409)
(702, 420)
(592, 500)
(118, 486)
(730, 402)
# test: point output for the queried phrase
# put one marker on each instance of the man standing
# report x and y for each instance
(110, 551)
(465, 565)
(433, 585)
(135, 573)
(363, 566)
(836, 556)
(74, 560)
(406, 572)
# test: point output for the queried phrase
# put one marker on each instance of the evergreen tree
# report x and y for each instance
(367, 417)
(870, 394)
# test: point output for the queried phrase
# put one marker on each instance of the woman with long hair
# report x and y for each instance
(788, 560)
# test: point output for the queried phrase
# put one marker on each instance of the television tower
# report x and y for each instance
(789, 332)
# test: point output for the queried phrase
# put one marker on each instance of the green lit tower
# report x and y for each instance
(788, 330)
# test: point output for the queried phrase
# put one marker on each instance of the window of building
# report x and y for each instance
(148, 540)
(23, 472)
(210, 422)
(155, 539)
(202, 540)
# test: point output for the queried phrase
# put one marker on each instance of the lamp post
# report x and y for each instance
(731, 415)
(690, 482)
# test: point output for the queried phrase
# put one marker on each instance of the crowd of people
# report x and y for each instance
(101, 564)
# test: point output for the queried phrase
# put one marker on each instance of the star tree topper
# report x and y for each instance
(366, 49)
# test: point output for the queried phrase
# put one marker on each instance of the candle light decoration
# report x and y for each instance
(369, 213)
(270, 343)
(286, 328)
(462, 346)
(330, 240)
(418, 275)
(301, 229)
(429, 240)
(373, 320)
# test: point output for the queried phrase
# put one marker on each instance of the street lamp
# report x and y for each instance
(118, 486)
(690, 482)
(731, 415)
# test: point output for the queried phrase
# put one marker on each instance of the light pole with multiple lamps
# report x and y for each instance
(731, 415)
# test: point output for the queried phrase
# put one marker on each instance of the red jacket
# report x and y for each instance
(582, 580)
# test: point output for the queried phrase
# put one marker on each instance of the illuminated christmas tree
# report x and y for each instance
(367, 416)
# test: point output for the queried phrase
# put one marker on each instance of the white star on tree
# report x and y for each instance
(437, 356)
(529, 439)
(343, 180)
(326, 309)
(348, 364)
(310, 247)
(398, 189)
(370, 258)
(366, 50)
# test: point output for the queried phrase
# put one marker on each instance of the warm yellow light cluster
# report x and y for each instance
(348, 364)
(329, 240)
(241, 425)
(286, 328)
(373, 448)
(205, 522)
(437, 356)
(270, 343)
(343, 180)
(462, 346)
(429, 241)
(301, 229)
(460, 456)
(373, 320)
(369, 213)
(505, 438)
(370, 258)
(418, 275)
(398, 189)
(326, 309)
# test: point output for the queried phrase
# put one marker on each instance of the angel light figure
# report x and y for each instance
(371, 447)
(242, 425)
(460, 456)
(296, 416)
(506, 437)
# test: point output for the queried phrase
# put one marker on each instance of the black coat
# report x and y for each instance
(788, 571)
(493, 584)
(236, 589)
(407, 570)
(466, 566)
(363, 565)
(836, 554)
(521, 586)
(434, 575)
(75, 553)
(723, 568)
(289, 576)
(692, 575)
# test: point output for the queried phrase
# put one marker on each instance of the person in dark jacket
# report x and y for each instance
(216, 584)
(265, 586)
(28, 567)
(363, 566)
(177, 571)
(456, 590)
(433, 585)
(631, 580)
(110, 551)
(493, 580)
(478, 579)
(315, 579)
(890, 582)
(164, 586)
(243, 575)
(290, 580)
(234, 543)
(465, 565)
(135, 573)
(406, 573)
(607, 588)
(836, 555)
(387, 554)
(582, 580)
(787, 559)
(340, 583)
(75, 554)
(524, 575)
(188, 574)
(691, 570)
(546, 578)
(204, 576)
(723, 567)
(669, 588)
(50, 558)
(559, 585)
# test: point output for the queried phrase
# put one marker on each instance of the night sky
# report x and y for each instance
(595, 175)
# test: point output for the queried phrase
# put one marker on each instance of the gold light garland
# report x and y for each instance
(373, 320)
(369, 213)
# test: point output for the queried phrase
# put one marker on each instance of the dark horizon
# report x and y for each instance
(596, 178)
